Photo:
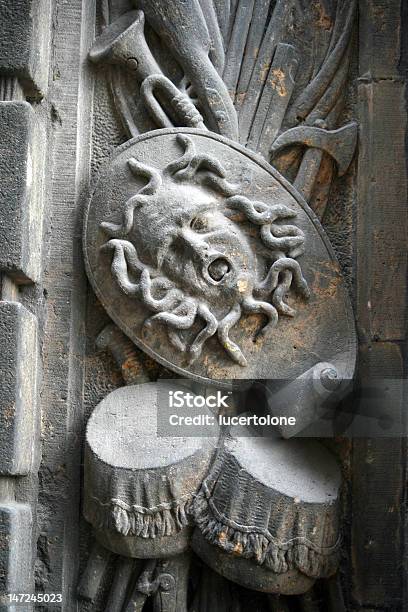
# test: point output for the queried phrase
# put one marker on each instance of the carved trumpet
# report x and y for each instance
(123, 43)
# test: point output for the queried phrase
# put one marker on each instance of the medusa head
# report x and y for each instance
(180, 249)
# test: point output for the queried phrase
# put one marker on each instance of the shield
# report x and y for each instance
(144, 249)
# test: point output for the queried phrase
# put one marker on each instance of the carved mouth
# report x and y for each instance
(217, 270)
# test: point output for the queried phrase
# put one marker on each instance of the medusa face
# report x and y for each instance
(185, 234)
(179, 252)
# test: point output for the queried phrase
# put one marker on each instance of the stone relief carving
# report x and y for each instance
(146, 513)
(202, 253)
(208, 258)
(265, 537)
(200, 259)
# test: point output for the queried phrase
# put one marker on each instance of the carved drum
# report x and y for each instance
(268, 513)
(139, 486)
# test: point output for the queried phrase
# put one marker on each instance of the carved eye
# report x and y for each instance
(199, 224)
(218, 269)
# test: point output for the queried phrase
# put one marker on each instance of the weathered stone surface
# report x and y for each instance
(377, 487)
(379, 465)
(15, 549)
(223, 277)
(236, 512)
(64, 284)
(24, 40)
(18, 388)
(69, 374)
(133, 514)
(380, 38)
(20, 228)
(382, 221)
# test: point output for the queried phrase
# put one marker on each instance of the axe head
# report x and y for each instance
(339, 144)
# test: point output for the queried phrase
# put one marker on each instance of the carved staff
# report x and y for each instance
(250, 98)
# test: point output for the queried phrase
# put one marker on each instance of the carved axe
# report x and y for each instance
(339, 144)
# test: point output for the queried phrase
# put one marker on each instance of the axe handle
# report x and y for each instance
(308, 171)
(126, 568)
(94, 572)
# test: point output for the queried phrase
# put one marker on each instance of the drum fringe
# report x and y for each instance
(278, 557)
(165, 520)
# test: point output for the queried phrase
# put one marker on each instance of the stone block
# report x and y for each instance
(20, 190)
(380, 30)
(18, 332)
(382, 219)
(24, 42)
(15, 549)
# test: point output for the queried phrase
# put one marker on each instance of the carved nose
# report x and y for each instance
(197, 249)
(212, 264)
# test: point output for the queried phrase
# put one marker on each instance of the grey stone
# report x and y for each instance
(94, 572)
(15, 549)
(76, 379)
(220, 279)
(20, 227)
(18, 330)
(186, 34)
(308, 398)
(381, 31)
(381, 308)
(246, 573)
(270, 509)
(139, 484)
(24, 41)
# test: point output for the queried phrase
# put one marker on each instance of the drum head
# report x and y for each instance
(124, 433)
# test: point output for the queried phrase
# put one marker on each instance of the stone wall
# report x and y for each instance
(58, 125)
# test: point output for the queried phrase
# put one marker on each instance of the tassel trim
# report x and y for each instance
(279, 557)
(131, 520)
